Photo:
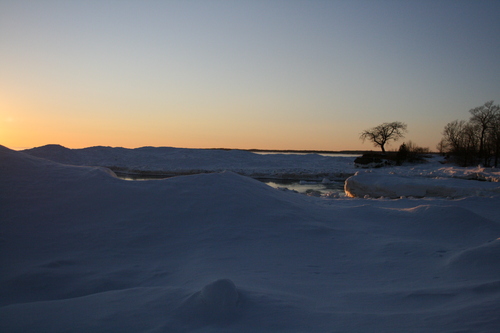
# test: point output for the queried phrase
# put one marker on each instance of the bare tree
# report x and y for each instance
(453, 135)
(383, 133)
(484, 116)
(494, 139)
(476, 140)
(461, 139)
(442, 146)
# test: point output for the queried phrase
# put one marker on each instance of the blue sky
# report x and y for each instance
(241, 74)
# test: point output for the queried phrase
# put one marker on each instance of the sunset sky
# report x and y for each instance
(263, 74)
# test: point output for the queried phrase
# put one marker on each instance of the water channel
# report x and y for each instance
(335, 188)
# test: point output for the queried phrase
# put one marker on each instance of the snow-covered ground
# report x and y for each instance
(84, 251)
(173, 161)
(427, 179)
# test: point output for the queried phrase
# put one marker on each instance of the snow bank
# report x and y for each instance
(470, 173)
(176, 161)
(426, 179)
(377, 184)
(81, 250)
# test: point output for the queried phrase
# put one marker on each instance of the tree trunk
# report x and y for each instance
(497, 154)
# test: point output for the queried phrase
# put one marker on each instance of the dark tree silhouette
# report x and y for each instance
(383, 133)
(476, 140)
(484, 117)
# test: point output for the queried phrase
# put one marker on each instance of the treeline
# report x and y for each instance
(476, 141)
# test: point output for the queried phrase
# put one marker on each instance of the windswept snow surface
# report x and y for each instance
(176, 161)
(432, 179)
(84, 251)
(377, 184)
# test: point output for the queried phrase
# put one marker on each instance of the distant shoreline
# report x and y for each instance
(298, 151)
(304, 151)
(254, 150)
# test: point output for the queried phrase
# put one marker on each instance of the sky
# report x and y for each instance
(241, 74)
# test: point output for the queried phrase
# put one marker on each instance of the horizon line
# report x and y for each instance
(310, 151)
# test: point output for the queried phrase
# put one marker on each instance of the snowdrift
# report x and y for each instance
(373, 184)
(81, 250)
(183, 161)
(418, 180)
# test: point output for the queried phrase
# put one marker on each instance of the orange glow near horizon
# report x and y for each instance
(28, 131)
(33, 123)
(22, 128)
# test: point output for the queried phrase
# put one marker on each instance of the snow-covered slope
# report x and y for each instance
(81, 250)
(189, 161)
(427, 179)
(377, 184)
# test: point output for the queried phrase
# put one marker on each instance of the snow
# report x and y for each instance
(82, 250)
(175, 161)
(431, 179)
(393, 186)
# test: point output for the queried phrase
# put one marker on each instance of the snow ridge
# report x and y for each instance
(175, 161)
